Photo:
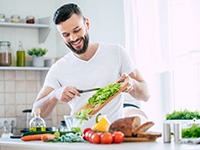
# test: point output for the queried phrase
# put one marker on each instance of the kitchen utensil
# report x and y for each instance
(88, 90)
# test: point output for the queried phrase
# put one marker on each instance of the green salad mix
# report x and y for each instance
(98, 99)
(183, 115)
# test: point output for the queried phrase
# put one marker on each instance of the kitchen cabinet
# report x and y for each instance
(42, 24)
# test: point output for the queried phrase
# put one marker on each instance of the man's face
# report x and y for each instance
(74, 33)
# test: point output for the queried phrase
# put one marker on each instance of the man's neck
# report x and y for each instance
(91, 50)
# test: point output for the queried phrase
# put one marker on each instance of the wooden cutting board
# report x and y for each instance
(136, 139)
(95, 109)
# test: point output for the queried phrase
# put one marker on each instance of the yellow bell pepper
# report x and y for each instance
(102, 124)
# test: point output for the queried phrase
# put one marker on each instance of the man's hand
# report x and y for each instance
(131, 82)
(67, 93)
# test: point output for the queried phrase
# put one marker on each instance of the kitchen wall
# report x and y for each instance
(18, 89)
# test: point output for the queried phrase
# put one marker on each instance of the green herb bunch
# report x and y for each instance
(191, 132)
(37, 51)
(183, 115)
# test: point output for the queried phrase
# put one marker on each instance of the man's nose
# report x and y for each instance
(72, 37)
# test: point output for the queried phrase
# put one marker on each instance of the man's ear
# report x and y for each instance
(87, 23)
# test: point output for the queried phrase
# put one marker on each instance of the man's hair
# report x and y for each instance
(65, 12)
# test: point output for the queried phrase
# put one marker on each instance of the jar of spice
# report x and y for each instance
(5, 53)
(15, 18)
(30, 19)
(2, 18)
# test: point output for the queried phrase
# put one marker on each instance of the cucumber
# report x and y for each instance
(45, 132)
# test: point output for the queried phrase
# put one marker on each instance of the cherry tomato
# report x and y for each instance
(95, 138)
(86, 129)
(106, 138)
(118, 137)
(88, 134)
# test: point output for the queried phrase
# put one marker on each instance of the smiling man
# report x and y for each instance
(88, 65)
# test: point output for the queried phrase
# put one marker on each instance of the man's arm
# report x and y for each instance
(46, 101)
(138, 87)
(48, 98)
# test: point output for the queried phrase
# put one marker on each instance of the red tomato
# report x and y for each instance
(86, 129)
(106, 138)
(95, 138)
(88, 134)
(118, 137)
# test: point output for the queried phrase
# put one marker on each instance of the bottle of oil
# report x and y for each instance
(21, 56)
(37, 123)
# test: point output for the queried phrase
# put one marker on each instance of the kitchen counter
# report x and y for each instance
(17, 144)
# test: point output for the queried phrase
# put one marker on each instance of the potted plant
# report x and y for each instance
(37, 54)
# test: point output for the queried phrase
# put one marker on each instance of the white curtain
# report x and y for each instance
(159, 34)
(147, 44)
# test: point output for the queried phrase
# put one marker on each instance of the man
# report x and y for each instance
(88, 65)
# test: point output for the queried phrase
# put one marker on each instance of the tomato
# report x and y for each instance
(88, 134)
(118, 137)
(95, 138)
(106, 138)
(86, 129)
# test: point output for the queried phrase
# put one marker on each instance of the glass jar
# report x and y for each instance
(30, 19)
(21, 56)
(15, 18)
(5, 53)
(2, 18)
(37, 123)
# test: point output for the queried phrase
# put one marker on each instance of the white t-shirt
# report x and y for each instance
(106, 66)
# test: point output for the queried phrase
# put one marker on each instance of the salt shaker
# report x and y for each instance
(177, 132)
(166, 133)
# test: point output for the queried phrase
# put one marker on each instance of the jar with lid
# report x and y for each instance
(30, 19)
(37, 123)
(2, 18)
(21, 56)
(5, 53)
(15, 18)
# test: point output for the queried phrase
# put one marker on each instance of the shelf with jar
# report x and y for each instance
(7, 61)
(42, 24)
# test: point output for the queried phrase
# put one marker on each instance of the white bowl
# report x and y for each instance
(71, 121)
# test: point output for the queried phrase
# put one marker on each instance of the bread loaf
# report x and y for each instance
(149, 135)
(125, 125)
(142, 128)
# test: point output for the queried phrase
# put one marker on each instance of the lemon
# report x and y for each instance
(56, 134)
(102, 125)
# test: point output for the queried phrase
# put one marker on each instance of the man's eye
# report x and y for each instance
(65, 35)
(77, 30)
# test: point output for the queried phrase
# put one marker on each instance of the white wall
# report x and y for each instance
(106, 17)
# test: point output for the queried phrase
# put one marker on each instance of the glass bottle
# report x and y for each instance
(21, 56)
(37, 123)
(5, 53)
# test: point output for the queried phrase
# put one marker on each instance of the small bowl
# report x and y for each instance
(71, 121)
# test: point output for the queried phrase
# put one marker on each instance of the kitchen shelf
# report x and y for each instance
(42, 24)
(24, 68)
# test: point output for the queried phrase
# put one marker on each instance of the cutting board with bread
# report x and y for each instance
(133, 130)
(96, 108)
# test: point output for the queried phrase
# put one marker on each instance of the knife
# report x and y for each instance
(88, 90)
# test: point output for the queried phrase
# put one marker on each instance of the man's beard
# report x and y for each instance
(85, 45)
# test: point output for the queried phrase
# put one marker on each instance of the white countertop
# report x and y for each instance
(17, 144)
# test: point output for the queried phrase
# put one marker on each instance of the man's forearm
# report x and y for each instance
(46, 104)
(140, 92)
